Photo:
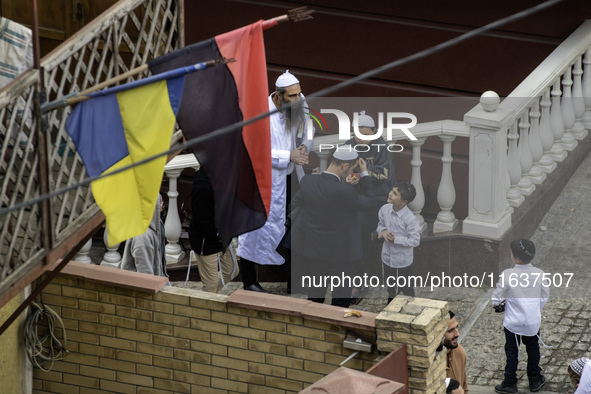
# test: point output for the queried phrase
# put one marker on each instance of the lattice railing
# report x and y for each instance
(124, 37)
(20, 230)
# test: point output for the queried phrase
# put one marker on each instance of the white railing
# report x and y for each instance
(513, 146)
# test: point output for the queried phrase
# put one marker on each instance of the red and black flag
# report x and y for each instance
(237, 163)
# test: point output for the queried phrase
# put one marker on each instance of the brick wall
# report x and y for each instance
(188, 341)
(127, 334)
(420, 324)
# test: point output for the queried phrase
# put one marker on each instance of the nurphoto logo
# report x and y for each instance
(345, 127)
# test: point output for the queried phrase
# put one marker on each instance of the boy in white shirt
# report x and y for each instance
(526, 294)
(401, 231)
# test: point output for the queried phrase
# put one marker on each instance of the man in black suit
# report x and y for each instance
(326, 237)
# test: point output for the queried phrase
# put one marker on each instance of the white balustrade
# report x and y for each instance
(587, 88)
(547, 137)
(82, 256)
(579, 131)
(514, 196)
(536, 174)
(112, 257)
(172, 226)
(557, 152)
(417, 205)
(494, 133)
(446, 193)
(568, 113)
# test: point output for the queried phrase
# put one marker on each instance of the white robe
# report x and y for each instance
(259, 245)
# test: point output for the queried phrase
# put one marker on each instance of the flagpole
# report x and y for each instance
(77, 97)
(296, 15)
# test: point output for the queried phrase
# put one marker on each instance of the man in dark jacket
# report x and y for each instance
(380, 166)
(205, 242)
(325, 235)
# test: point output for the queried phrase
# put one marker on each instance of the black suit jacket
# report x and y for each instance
(327, 226)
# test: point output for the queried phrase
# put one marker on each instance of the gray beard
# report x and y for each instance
(294, 117)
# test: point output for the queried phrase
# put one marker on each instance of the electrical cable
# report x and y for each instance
(320, 93)
(47, 347)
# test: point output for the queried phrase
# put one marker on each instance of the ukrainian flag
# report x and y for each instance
(119, 127)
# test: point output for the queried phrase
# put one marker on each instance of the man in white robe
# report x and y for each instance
(290, 146)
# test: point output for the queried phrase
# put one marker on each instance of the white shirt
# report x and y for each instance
(259, 245)
(585, 382)
(407, 235)
(523, 286)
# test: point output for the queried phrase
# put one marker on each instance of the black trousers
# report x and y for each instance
(532, 347)
(248, 272)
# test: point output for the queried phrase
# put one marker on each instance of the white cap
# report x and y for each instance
(286, 79)
(345, 153)
(364, 120)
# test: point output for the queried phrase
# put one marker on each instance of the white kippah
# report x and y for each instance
(286, 79)
(345, 153)
(578, 365)
(364, 120)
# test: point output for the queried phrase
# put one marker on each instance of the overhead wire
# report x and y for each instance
(321, 93)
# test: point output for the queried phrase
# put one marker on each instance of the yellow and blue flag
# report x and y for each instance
(118, 127)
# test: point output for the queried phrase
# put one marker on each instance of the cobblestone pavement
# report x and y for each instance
(562, 243)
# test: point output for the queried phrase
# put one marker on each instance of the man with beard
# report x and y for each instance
(456, 355)
(289, 150)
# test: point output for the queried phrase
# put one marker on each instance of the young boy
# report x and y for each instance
(401, 231)
(526, 294)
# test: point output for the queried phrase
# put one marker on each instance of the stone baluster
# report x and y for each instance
(546, 135)
(112, 258)
(446, 193)
(417, 205)
(82, 256)
(557, 152)
(587, 88)
(173, 252)
(514, 196)
(568, 113)
(323, 156)
(536, 174)
(525, 184)
(172, 226)
(579, 131)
